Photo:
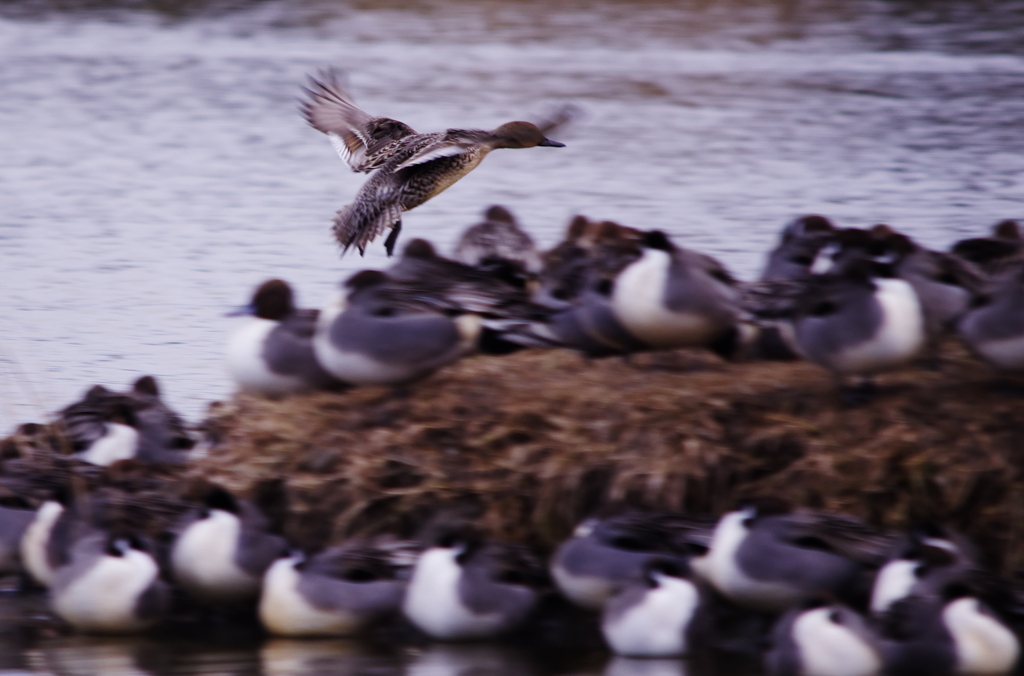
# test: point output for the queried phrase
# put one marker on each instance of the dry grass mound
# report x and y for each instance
(531, 443)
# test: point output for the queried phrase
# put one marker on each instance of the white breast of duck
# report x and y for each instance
(247, 366)
(720, 567)
(984, 645)
(432, 601)
(656, 625)
(828, 648)
(638, 301)
(899, 337)
(35, 541)
(105, 598)
(893, 582)
(203, 560)
(285, 611)
(119, 442)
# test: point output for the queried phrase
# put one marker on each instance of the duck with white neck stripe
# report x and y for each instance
(673, 297)
(770, 558)
(223, 549)
(660, 614)
(602, 554)
(823, 640)
(111, 584)
(272, 352)
(952, 632)
(463, 588)
(337, 592)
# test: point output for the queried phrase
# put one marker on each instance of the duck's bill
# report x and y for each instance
(551, 144)
(243, 311)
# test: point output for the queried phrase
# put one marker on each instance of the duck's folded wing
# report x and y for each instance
(363, 141)
(436, 151)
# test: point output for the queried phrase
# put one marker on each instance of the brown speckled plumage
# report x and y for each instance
(410, 168)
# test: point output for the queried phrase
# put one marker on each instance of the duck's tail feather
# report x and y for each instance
(359, 223)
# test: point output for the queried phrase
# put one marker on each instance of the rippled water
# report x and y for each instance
(154, 171)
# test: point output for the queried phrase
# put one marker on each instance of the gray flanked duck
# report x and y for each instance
(110, 585)
(925, 560)
(222, 550)
(498, 239)
(800, 244)
(952, 632)
(271, 353)
(337, 592)
(369, 337)
(602, 554)
(673, 297)
(411, 168)
(662, 613)
(823, 640)
(768, 557)
(994, 326)
(107, 426)
(860, 321)
(463, 588)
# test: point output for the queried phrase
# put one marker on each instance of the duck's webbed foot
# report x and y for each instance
(389, 243)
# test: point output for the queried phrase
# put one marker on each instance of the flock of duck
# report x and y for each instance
(858, 302)
(819, 594)
(814, 593)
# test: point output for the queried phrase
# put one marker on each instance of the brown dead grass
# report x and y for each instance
(531, 443)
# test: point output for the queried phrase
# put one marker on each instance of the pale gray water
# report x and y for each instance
(154, 172)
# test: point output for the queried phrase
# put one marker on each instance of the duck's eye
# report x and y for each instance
(835, 617)
(384, 312)
(803, 260)
(604, 287)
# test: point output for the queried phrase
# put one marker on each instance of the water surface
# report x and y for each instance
(155, 169)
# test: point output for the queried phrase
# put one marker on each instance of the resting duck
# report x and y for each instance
(498, 240)
(223, 549)
(411, 168)
(108, 426)
(111, 584)
(463, 588)
(272, 352)
(823, 640)
(770, 558)
(337, 592)
(661, 614)
(602, 554)
(369, 336)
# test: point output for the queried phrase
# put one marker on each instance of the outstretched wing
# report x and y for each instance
(435, 151)
(363, 141)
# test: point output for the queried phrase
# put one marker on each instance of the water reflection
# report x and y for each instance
(627, 666)
(323, 657)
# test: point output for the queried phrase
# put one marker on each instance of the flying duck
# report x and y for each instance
(410, 168)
